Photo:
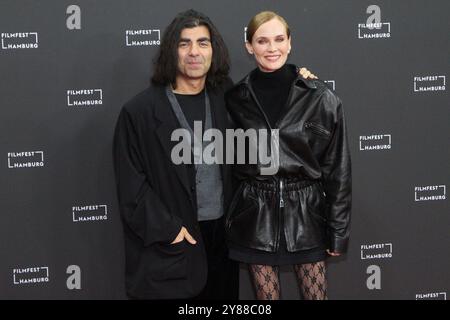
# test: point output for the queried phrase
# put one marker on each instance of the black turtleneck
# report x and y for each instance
(272, 90)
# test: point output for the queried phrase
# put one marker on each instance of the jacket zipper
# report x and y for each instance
(317, 128)
(281, 205)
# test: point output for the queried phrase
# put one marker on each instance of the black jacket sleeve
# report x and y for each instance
(336, 169)
(141, 208)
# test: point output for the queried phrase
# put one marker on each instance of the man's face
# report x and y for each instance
(194, 53)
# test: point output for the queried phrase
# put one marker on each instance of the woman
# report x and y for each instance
(301, 214)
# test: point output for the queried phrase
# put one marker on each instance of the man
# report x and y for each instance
(173, 215)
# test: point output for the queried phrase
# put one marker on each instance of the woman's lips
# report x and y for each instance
(273, 58)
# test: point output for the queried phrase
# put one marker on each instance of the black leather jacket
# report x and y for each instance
(314, 169)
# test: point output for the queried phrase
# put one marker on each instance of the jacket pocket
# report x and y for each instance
(317, 129)
(172, 263)
(317, 207)
(234, 201)
(244, 203)
(316, 214)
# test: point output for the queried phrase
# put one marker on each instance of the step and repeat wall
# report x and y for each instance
(67, 67)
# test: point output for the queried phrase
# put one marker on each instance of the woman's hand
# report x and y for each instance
(305, 73)
(333, 254)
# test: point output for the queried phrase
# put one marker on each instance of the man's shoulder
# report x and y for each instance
(237, 90)
(144, 100)
(222, 87)
(227, 84)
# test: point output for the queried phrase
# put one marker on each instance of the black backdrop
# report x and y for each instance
(67, 68)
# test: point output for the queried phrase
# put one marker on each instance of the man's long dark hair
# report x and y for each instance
(166, 64)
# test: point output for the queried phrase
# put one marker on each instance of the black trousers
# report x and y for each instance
(223, 273)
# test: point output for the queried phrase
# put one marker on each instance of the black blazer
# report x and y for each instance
(157, 197)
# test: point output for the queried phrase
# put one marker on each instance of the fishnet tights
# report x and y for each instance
(311, 278)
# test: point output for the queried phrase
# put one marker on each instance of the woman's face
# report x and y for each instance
(270, 45)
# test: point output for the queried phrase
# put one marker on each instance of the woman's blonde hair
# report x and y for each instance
(262, 18)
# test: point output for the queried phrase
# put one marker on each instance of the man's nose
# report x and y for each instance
(193, 51)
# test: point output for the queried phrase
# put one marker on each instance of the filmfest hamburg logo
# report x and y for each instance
(376, 251)
(432, 296)
(84, 97)
(20, 40)
(429, 83)
(89, 213)
(30, 275)
(374, 28)
(427, 193)
(143, 37)
(375, 142)
(25, 159)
